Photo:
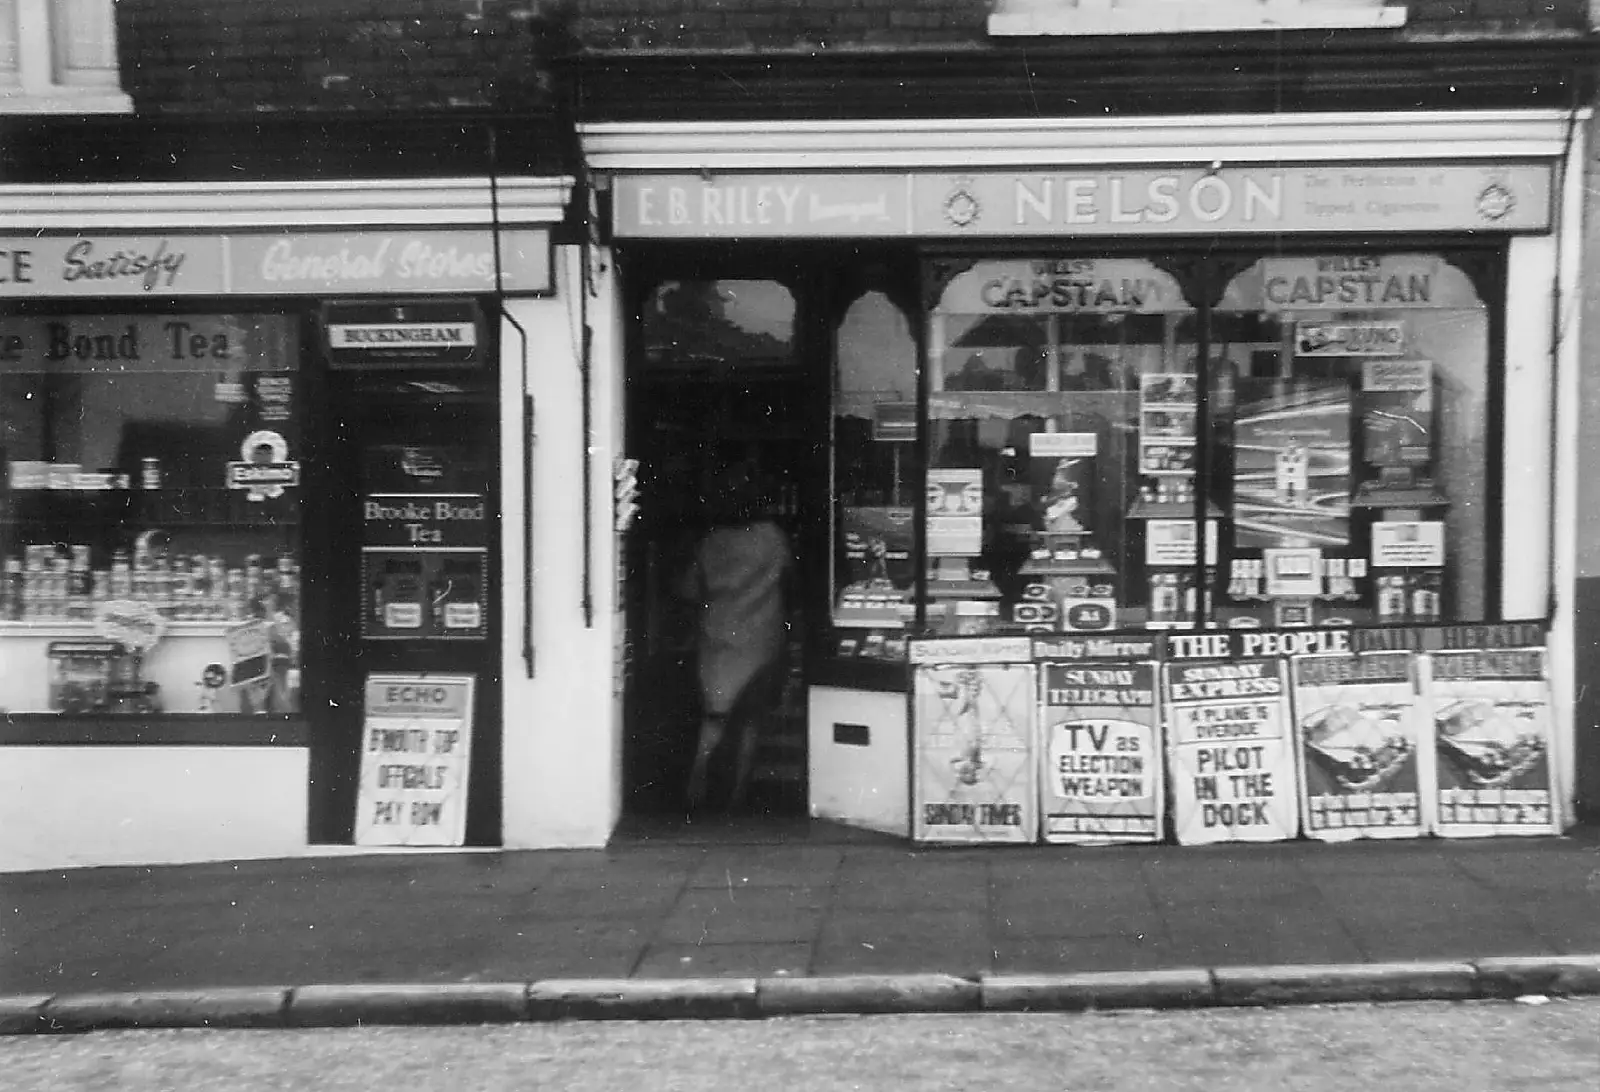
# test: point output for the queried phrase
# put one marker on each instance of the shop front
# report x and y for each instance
(1194, 478)
(254, 514)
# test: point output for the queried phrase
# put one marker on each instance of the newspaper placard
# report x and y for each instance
(1100, 736)
(1356, 720)
(416, 746)
(1491, 739)
(1230, 752)
(974, 779)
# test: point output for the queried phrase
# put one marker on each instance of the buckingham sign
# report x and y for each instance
(387, 335)
(1162, 201)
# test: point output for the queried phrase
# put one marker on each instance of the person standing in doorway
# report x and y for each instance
(737, 576)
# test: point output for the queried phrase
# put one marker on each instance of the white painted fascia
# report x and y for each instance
(1079, 18)
(1002, 143)
(215, 206)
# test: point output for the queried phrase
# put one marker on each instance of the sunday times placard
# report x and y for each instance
(973, 724)
(1491, 738)
(1230, 751)
(1356, 723)
(1100, 741)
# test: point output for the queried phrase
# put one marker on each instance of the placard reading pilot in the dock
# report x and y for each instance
(416, 747)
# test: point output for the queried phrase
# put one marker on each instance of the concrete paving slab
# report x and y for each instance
(725, 960)
(906, 942)
(763, 915)
(1072, 955)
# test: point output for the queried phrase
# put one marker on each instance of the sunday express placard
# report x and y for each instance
(1491, 733)
(1230, 751)
(1100, 742)
(416, 744)
(973, 722)
(1356, 723)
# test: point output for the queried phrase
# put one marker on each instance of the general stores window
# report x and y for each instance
(149, 514)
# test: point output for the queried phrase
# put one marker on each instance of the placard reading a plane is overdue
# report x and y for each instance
(416, 747)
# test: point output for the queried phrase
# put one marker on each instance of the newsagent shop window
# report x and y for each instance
(149, 514)
(1336, 455)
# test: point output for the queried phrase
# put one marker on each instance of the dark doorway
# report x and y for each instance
(715, 371)
(400, 434)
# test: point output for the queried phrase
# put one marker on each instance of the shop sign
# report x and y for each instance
(1492, 739)
(416, 749)
(1230, 752)
(1408, 544)
(1100, 782)
(294, 263)
(177, 342)
(1359, 742)
(973, 724)
(1352, 282)
(388, 335)
(1236, 644)
(1068, 285)
(1170, 542)
(1350, 339)
(1356, 198)
(425, 566)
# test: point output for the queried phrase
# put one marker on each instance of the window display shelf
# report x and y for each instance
(1158, 510)
(69, 627)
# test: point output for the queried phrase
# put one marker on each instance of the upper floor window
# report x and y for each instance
(1085, 17)
(59, 57)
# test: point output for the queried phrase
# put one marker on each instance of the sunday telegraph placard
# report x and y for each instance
(1100, 742)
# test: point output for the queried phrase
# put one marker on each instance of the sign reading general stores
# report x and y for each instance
(319, 263)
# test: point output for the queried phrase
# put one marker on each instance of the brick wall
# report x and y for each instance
(832, 24)
(343, 56)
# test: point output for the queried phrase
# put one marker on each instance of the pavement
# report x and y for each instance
(759, 918)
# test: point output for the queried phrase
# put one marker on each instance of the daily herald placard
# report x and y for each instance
(973, 722)
(1230, 751)
(416, 746)
(1491, 738)
(1100, 741)
(1357, 723)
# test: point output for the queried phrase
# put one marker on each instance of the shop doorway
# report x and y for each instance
(397, 439)
(715, 375)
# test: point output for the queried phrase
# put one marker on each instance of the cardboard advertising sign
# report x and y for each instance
(973, 724)
(1230, 751)
(1491, 741)
(1357, 731)
(416, 744)
(1100, 743)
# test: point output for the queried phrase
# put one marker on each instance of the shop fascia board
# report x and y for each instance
(967, 144)
(356, 204)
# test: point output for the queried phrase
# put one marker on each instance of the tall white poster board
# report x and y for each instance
(416, 747)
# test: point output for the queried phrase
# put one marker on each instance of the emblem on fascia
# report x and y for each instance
(961, 206)
(1496, 201)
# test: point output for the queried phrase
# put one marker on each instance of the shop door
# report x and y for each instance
(408, 522)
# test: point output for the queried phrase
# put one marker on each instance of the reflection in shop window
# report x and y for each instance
(149, 514)
(716, 325)
(875, 474)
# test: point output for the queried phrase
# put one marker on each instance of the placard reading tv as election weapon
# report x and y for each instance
(973, 725)
(1100, 739)
(416, 747)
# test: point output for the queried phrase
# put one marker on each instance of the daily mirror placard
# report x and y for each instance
(1491, 736)
(1230, 751)
(1100, 741)
(973, 721)
(1356, 720)
(416, 744)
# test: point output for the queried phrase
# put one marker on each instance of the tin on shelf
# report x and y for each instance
(150, 473)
